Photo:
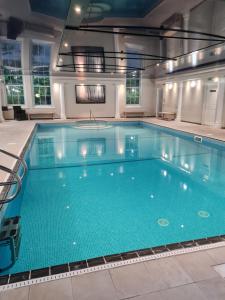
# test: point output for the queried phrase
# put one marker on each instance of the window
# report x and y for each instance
(41, 57)
(10, 54)
(88, 59)
(133, 88)
(133, 80)
(90, 94)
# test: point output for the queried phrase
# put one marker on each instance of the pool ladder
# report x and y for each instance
(92, 116)
(10, 236)
(14, 179)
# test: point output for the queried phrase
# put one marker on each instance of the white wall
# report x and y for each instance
(74, 110)
(1, 101)
(192, 102)
(114, 88)
(147, 99)
(201, 99)
(170, 97)
(210, 103)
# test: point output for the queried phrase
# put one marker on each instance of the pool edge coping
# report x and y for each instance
(106, 266)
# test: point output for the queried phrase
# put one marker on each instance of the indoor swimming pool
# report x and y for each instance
(129, 186)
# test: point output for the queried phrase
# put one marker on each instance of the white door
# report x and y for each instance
(192, 103)
(210, 104)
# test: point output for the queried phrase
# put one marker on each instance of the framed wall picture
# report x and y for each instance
(87, 94)
(88, 59)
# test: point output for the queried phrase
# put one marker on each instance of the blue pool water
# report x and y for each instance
(90, 193)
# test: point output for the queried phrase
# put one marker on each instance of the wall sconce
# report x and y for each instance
(193, 83)
(170, 86)
(194, 58)
(218, 51)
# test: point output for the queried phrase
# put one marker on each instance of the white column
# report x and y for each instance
(220, 103)
(62, 101)
(186, 18)
(179, 101)
(1, 102)
(117, 110)
(27, 78)
(157, 102)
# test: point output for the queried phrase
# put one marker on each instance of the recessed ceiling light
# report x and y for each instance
(77, 9)
(66, 44)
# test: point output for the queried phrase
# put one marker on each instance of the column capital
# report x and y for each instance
(186, 16)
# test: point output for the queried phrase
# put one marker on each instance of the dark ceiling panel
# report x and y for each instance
(105, 8)
(54, 8)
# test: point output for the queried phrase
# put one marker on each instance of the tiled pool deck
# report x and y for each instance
(184, 276)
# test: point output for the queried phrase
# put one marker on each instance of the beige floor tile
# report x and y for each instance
(198, 265)
(134, 280)
(169, 270)
(213, 289)
(217, 254)
(15, 294)
(185, 292)
(94, 286)
(52, 290)
(151, 296)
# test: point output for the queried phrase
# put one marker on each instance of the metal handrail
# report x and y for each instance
(20, 159)
(18, 182)
(91, 114)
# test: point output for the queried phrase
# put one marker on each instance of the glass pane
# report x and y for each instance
(10, 54)
(41, 55)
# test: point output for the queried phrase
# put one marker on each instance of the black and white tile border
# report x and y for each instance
(17, 280)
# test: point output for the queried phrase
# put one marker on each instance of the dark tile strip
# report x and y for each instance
(160, 249)
(95, 262)
(189, 244)
(40, 273)
(113, 258)
(145, 252)
(174, 246)
(23, 276)
(4, 280)
(78, 265)
(129, 255)
(201, 242)
(59, 269)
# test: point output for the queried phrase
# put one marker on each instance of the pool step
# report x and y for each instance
(10, 236)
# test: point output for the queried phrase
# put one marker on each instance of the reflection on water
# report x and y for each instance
(66, 146)
(131, 146)
(93, 147)
(63, 146)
